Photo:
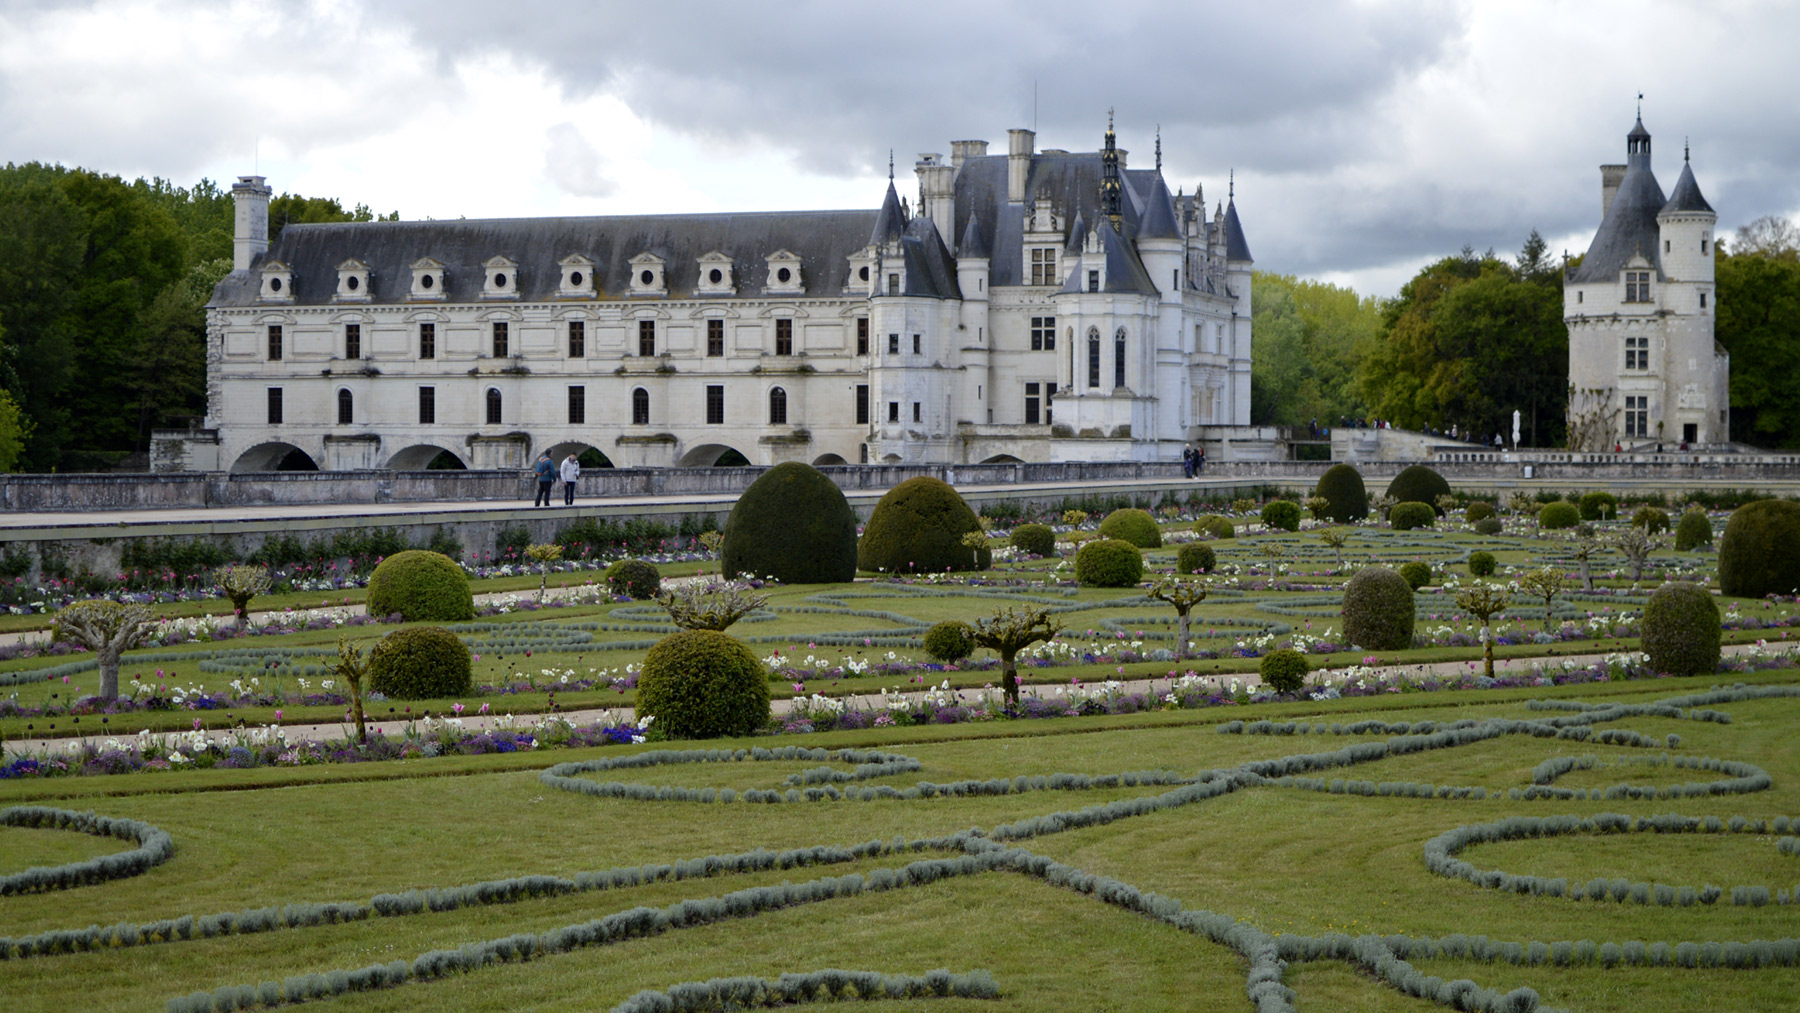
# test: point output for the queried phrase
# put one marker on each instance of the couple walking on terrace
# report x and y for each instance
(547, 474)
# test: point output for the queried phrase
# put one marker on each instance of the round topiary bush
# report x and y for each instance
(1343, 486)
(1482, 564)
(1417, 574)
(1693, 531)
(1598, 506)
(1406, 516)
(1418, 484)
(1282, 515)
(1214, 526)
(792, 525)
(1378, 610)
(949, 641)
(1477, 510)
(700, 684)
(1651, 519)
(634, 578)
(1195, 558)
(1109, 563)
(1283, 670)
(1489, 526)
(1036, 539)
(1129, 524)
(1681, 630)
(422, 586)
(1559, 515)
(918, 527)
(419, 663)
(1759, 553)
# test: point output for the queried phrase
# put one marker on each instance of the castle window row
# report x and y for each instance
(501, 346)
(493, 405)
(715, 274)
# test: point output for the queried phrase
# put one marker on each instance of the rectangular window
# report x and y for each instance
(1093, 281)
(1093, 360)
(715, 337)
(274, 342)
(1637, 416)
(1043, 266)
(1702, 246)
(784, 337)
(893, 344)
(715, 404)
(353, 341)
(577, 339)
(1637, 286)
(274, 406)
(1043, 333)
(646, 337)
(893, 411)
(893, 284)
(1703, 300)
(918, 346)
(1033, 403)
(1637, 353)
(427, 406)
(500, 340)
(427, 341)
(1119, 360)
(862, 335)
(916, 417)
(577, 405)
(862, 404)
(346, 407)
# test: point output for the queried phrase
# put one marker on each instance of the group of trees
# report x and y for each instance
(103, 289)
(1758, 276)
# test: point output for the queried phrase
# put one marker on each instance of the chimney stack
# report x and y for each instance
(962, 151)
(250, 237)
(1610, 176)
(1021, 144)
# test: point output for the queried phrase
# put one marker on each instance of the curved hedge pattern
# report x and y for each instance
(830, 985)
(154, 847)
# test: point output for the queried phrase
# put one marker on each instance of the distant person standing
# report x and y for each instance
(571, 470)
(1187, 461)
(546, 474)
(1199, 459)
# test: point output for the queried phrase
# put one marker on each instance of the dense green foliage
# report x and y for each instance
(1406, 516)
(1036, 539)
(1693, 531)
(1378, 610)
(1109, 563)
(1482, 564)
(1488, 526)
(1559, 515)
(1651, 519)
(1342, 485)
(1758, 279)
(1416, 573)
(1130, 524)
(793, 525)
(1283, 670)
(1418, 484)
(1598, 506)
(1195, 557)
(918, 528)
(1214, 526)
(701, 684)
(1308, 337)
(422, 586)
(1681, 630)
(635, 578)
(1759, 553)
(1477, 510)
(1281, 515)
(949, 641)
(420, 663)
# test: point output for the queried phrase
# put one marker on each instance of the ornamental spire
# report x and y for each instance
(1110, 192)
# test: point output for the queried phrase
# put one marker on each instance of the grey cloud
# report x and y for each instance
(573, 164)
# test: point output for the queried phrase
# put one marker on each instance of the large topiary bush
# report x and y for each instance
(1559, 515)
(1482, 564)
(1406, 516)
(1283, 670)
(1652, 519)
(1418, 484)
(949, 641)
(1129, 524)
(918, 527)
(1214, 526)
(1681, 630)
(1477, 510)
(1692, 531)
(1342, 485)
(419, 663)
(1759, 553)
(700, 684)
(792, 525)
(634, 578)
(1109, 563)
(1378, 610)
(1282, 515)
(1489, 526)
(422, 586)
(1598, 506)
(1036, 539)
(1417, 574)
(1195, 558)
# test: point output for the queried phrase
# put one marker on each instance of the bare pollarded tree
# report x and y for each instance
(109, 629)
(1009, 631)
(1183, 595)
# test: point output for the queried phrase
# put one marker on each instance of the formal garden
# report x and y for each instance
(1346, 748)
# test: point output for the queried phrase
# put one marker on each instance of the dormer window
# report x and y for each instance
(647, 275)
(500, 278)
(575, 277)
(716, 276)
(1637, 286)
(428, 279)
(352, 281)
(277, 282)
(1043, 265)
(784, 273)
(862, 268)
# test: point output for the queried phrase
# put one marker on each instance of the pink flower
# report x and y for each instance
(196, 724)
(457, 707)
(799, 687)
(484, 708)
(277, 717)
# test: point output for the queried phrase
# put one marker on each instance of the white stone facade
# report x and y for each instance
(1083, 313)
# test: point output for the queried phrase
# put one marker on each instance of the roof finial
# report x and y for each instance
(1159, 147)
(1685, 151)
(1109, 118)
(1640, 106)
(890, 165)
(1231, 185)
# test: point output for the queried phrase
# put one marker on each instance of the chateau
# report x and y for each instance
(1643, 365)
(1036, 305)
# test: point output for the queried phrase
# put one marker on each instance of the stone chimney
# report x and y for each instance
(1020, 145)
(937, 194)
(962, 151)
(1610, 175)
(250, 237)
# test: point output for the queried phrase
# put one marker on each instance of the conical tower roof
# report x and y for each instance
(1687, 196)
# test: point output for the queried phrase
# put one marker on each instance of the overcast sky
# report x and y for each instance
(1367, 138)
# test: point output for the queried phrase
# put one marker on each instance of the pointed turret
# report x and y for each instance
(890, 223)
(1111, 192)
(1236, 248)
(974, 241)
(1629, 228)
(1158, 221)
(1686, 196)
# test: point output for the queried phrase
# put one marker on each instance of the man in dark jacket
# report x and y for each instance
(546, 475)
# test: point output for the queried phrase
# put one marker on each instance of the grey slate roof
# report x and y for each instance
(1124, 270)
(1629, 228)
(824, 241)
(1236, 248)
(890, 221)
(1159, 213)
(930, 270)
(1686, 195)
(974, 241)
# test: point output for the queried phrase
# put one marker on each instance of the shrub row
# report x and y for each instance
(1743, 777)
(813, 986)
(154, 847)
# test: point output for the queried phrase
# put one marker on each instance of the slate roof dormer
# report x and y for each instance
(1124, 271)
(930, 270)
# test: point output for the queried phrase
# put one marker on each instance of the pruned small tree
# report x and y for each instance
(1446, 502)
(714, 605)
(1319, 506)
(1183, 595)
(1545, 582)
(1383, 504)
(543, 555)
(352, 666)
(1584, 547)
(975, 541)
(1009, 631)
(1636, 545)
(109, 629)
(1074, 518)
(1521, 503)
(1484, 602)
(240, 584)
(1337, 538)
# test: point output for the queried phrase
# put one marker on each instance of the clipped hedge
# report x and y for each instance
(154, 847)
(1195, 558)
(1407, 516)
(1597, 506)
(793, 525)
(1681, 630)
(949, 641)
(1692, 531)
(1482, 564)
(1418, 484)
(1036, 539)
(1284, 670)
(1378, 610)
(1477, 510)
(917, 528)
(1282, 515)
(420, 663)
(831, 985)
(634, 578)
(702, 684)
(1109, 563)
(1129, 524)
(1488, 526)
(422, 586)
(1651, 519)
(1342, 486)
(1214, 526)
(1759, 554)
(1417, 574)
(1559, 515)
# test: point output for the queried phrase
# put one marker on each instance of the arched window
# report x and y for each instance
(640, 407)
(777, 407)
(346, 406)
(493, 406)
(1119, 358)
(1093, 358)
